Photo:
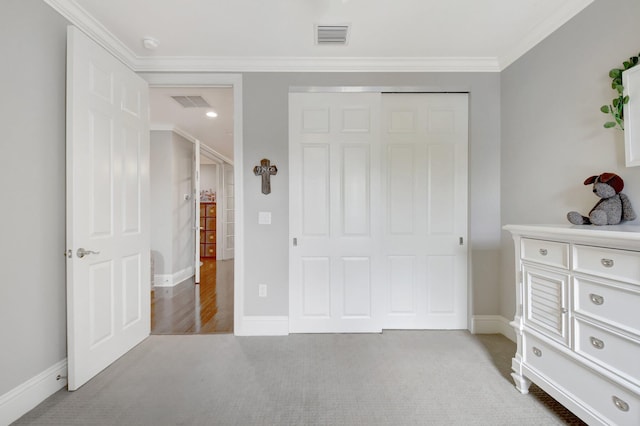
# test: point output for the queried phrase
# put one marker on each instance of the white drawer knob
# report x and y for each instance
(596, 299)
(536, 351)
(607, 263)
(622, 406)
(597, 343)
(543, 252)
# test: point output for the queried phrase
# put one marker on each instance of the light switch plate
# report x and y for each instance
(264, 218)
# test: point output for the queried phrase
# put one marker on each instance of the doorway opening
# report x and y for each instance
(192, 209)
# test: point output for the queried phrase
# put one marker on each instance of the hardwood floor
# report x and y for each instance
(190, 308)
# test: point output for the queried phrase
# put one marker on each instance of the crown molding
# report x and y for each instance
(80, 18)
(164, 127)
(546, 28)
(315, 64)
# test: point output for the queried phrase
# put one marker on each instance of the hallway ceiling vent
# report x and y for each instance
(332, 34)
(192, 101)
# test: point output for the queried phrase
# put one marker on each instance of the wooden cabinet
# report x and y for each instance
(577, 322)
(207, 229)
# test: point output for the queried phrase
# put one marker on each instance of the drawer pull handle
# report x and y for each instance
(543, 252)
(622, 406)
(536, 351)
(596, 299)
(607, 263)
(597, 343)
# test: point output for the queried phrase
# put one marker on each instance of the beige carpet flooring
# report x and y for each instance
(393, 378)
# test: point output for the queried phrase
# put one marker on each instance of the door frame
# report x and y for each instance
(411, 89)
(174, 79)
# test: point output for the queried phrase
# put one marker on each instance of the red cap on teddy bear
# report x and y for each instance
(611, 179)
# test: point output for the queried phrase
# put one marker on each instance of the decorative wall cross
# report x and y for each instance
(265, 169)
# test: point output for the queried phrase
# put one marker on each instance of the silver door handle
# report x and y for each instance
(82, 252)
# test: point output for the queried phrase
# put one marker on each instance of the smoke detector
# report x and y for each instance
(334, 35)
(150, 43)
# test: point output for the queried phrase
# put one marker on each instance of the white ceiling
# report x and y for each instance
(278, 35)
(216, 133)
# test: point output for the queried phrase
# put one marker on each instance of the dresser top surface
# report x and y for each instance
(626, 232)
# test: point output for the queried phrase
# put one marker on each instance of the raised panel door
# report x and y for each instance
(335, 265)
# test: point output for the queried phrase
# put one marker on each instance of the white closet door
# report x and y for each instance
(335, 275)
(378, 207)
(425, 145)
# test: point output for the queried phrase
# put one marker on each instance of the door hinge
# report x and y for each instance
(461, 241)
(295, 242)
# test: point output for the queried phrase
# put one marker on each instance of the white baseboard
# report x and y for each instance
(492, 324)
(163, 280)
(263, 326)
(172, 280)
(20, 400)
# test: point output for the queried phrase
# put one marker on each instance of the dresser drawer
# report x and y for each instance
(623, 265)
(546, 252)
(209, 250)
(210, 237)
(612, 403)
(608, 302)
(612, 350)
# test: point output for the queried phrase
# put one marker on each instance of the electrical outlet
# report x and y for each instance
(262, 290)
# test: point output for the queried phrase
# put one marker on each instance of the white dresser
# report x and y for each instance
(577, 318)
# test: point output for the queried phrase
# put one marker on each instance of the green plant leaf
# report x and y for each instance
(616, 108)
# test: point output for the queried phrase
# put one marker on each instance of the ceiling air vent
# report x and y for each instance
(332, 34)
(191, 101)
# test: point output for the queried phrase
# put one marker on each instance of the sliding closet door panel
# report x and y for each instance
(335, 267)
(425, 144)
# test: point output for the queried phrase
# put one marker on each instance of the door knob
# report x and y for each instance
(82, 252)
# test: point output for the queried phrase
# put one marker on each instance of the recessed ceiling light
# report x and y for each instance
(212, 114)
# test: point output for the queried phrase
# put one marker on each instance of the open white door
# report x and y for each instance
(228, 212)
(196, 207)
(108, 286)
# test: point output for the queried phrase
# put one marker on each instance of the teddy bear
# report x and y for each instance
(613, 207)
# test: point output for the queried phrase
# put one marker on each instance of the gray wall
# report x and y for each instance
(265, 117)
(182, 212)
(552, 134)
(209, 178)
(32, 184)
(161, 202)
(171, 171)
